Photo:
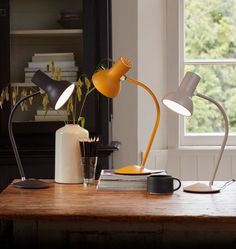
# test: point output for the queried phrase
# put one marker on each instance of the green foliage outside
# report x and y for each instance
(210, 33)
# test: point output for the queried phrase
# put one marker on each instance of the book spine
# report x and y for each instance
(51, 118)
(52, 58)
(53, 54)
(44, 69)
(31, 74)
(71, 79)
(61, 64)
(51, 113)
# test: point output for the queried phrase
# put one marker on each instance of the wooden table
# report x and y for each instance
(73, 215)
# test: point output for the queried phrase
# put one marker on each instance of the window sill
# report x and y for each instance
(209, 148)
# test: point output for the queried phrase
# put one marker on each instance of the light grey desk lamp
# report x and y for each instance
(181, 102)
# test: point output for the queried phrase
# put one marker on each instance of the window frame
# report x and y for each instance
(175, 64)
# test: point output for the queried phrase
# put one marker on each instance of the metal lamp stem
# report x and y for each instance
(226, 124)
(18, 161)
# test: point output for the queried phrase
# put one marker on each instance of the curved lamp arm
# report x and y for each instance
(157, 117)
(18, 161)
(226, 124)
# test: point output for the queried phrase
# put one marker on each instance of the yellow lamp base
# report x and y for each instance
(133, 170)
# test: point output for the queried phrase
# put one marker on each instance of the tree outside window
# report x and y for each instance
(210, 51)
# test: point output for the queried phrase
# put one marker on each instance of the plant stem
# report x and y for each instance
(85, 97)
(74, 111)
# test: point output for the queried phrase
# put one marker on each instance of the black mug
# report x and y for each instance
(162, 184)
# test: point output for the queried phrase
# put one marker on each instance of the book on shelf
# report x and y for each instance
(45, 69)
(51, 112)
(51, 118)
(44, 64)
(109, 180)
(42, 57)
(70, 79)
(63, 73)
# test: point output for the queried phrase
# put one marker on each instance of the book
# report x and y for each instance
(53, 54)
(109, 180)
(51, 118)
(44, 64)
(44, 69)
(70, 79)
(52, 57)
(51, 112)
(70, 74)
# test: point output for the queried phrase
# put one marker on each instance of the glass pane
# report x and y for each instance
(218, 82)
(210, 29)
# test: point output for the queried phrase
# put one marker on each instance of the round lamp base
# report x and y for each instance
(31, 184)
(133, 170)
(201, 188)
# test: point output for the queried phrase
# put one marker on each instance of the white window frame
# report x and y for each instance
(175, 64)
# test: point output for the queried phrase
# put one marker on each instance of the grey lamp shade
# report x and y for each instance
(58, 91)
(181, 100)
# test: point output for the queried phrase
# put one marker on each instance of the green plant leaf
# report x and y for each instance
(87, 82)
(79, 93)
(81, 120)
(70, 107)
(79, 82)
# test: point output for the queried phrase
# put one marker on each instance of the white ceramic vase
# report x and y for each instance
(68, 167)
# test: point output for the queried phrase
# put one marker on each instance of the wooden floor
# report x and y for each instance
(72, 216)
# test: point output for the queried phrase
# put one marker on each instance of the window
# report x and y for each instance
(208, 47)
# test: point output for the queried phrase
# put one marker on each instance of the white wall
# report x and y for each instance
(124, 42)
(139, 32)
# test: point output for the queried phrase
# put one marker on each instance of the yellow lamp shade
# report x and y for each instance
(107, 82)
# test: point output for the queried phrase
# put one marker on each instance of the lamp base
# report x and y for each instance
(201, 188)
(133, 170)
(31, 184)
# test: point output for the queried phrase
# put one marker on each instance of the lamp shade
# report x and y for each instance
(181, 100)
(107, 82)
(58, 92)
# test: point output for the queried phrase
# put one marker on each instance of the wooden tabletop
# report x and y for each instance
(65, 202)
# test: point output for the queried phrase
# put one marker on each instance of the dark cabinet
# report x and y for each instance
(34, 29)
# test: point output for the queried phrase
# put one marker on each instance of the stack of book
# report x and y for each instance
(51, 115)
(109, 180)
(63, 62)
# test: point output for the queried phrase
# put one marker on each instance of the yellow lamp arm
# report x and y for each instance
(157, 117)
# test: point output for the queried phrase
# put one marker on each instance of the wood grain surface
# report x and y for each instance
(66, 202)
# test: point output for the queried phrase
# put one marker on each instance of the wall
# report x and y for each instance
(139, 32)
(124, 36)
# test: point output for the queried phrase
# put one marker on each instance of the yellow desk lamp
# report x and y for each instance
(107, 82)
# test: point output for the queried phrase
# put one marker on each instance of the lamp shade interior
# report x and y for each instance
(174, 106)
(64, 96)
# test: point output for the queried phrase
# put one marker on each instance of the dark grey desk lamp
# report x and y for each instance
(58, 93)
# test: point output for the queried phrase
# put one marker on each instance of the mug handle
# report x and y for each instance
(179, 183)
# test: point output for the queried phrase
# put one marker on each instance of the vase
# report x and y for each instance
(68, 166)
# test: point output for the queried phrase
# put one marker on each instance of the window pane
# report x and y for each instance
(218, 82)
(210, 29)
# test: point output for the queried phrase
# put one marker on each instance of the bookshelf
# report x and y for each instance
(28, 27)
